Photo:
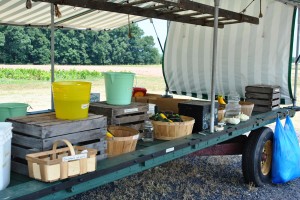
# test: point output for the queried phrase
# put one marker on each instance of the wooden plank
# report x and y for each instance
(45, 130)
(269, 89)
(264, 109)
(112, 111)
(46, 143)
(262, 102)
(19, 168)
(20, 152)
(31, 116)
(262, 96)
(96, 145)
(27, 141)
(131, 118)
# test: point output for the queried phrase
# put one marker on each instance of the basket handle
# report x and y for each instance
(70, 146)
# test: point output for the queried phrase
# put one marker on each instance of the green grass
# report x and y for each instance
(9, 75)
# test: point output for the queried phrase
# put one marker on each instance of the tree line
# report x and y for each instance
(27, 45)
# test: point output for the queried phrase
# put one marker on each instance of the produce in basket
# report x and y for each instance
(166, 117)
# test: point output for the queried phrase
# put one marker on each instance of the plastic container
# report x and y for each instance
(5, 153)
(118, 87)
(233, 108)
(71, 99)
(8, 110)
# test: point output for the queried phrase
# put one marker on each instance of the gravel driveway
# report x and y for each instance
(193, 177)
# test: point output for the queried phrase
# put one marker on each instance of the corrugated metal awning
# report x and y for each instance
(14, 12)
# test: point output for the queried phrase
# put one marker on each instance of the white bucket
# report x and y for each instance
(5, 153)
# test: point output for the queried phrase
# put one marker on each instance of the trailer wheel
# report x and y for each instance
(257, 157)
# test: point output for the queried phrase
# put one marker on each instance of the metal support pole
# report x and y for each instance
(296, 63)
(214, 63)
(52, 52)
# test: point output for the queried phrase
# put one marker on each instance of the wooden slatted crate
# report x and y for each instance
(264, 97)
(133, 115)
(36, 133)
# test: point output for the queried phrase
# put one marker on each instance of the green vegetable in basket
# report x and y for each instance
(164, 118)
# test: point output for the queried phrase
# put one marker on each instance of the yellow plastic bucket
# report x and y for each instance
(71, 99)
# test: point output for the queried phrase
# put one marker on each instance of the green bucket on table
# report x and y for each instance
(118, 87)
(9, 110)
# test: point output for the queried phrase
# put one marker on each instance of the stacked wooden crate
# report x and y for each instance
(133, 115)
(36, 133)
(264, 97)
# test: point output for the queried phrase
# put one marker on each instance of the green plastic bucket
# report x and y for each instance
(8, 110)
(118, 87)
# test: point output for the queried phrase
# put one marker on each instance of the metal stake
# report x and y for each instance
(52, 52)
(214, 63)
(296, 63)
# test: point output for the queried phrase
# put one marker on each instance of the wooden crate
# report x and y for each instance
(264, 97)
(163, 104)
(265, 89)
(36, 133)
(133, 115)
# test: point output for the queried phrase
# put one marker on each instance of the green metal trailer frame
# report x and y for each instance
(147, 155)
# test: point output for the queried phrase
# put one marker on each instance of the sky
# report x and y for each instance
(161, 29)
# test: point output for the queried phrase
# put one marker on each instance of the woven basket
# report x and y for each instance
(246, 107)
(170, 131)
(57, 164)
(124, 140)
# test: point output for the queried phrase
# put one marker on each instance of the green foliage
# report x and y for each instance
(19, 45)
(37, 74)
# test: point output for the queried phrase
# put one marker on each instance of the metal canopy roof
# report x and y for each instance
(14, 12)
(109, 14)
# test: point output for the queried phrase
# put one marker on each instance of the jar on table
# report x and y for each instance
(147, 131)
(233, 108)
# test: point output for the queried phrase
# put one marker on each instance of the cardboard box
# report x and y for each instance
(163, 104)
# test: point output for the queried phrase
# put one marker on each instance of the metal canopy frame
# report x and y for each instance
(185, 11)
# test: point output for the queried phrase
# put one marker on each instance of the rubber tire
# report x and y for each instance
(251, 158)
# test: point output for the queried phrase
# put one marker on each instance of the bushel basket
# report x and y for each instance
(173, 130)
(57, 164)
(124, 140)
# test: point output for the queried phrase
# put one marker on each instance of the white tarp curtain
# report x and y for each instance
(247, 54)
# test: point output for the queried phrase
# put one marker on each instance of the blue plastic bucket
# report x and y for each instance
(118, 87)
(9, 110)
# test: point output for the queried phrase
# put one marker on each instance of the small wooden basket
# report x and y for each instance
(170, 131)
(246, 107)
(124, 140)
(57, 164)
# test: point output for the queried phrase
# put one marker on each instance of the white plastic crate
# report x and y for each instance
(5, 153)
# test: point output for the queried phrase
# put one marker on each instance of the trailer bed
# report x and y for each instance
(147, 155)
